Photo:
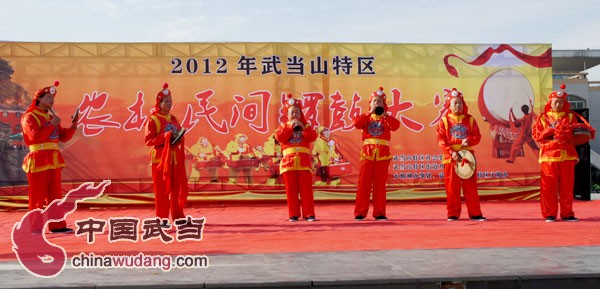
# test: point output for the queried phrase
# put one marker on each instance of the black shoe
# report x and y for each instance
(452, 218)
(311, 219)
(359, 218)
(293, 219)
(550, 219)
(64, 230)
(479, 218)
(381, 218)
(571, 219)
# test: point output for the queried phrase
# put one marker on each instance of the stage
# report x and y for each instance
(253, 245)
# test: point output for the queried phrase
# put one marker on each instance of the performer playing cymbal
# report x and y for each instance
(456, 131)
(165, 135)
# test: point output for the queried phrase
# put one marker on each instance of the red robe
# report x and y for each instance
(374, 162)
(295, 167)
(168, 166)
(44, 161)
(451, 130)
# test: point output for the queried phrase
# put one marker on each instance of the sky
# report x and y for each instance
(565, 26)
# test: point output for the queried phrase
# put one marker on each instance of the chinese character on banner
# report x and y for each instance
(398, 106)
(295, 65)
(247, 64)
(270, 65)
(95, 125)
(311, 102)
(338, 109)
(263, 112)
(137, 119)
(253, 111)
(436, 102)
(318, 66)
(341, 63)
(365, 65)
(206, 111)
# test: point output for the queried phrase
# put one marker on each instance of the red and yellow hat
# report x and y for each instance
(161, 95)
(48, 89)
(42, 91)
(559, 94)
(455, 93)
(379, 93)
(289, 102)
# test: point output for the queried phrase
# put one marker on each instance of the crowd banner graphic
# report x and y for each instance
(226, 94)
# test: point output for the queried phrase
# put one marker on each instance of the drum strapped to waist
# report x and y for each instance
(581, 134)
(465, 165)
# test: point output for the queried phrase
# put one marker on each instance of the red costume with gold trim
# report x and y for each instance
(451, 131)
(296, 165)
(374, 159)
(553, 129)
(168, 162)
(44, 161)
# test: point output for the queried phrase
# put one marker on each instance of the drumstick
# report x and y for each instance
(76, 114)
(459, 157)
(513, 105)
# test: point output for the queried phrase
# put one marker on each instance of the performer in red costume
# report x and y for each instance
(554, 130)
(295, 137)
(42, 132)
(524, 126)
(458, 130)
(375, 156)
(168, 160)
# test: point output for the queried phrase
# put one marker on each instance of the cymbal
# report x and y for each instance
(465, 169)
(177, 136)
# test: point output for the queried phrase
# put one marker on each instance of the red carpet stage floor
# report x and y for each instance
(263, 228)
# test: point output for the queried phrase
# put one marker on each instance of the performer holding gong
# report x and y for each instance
(558, 131)
(43, 164)
(296, 136)
(165, 135)
(457, 133)
(375, 156)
